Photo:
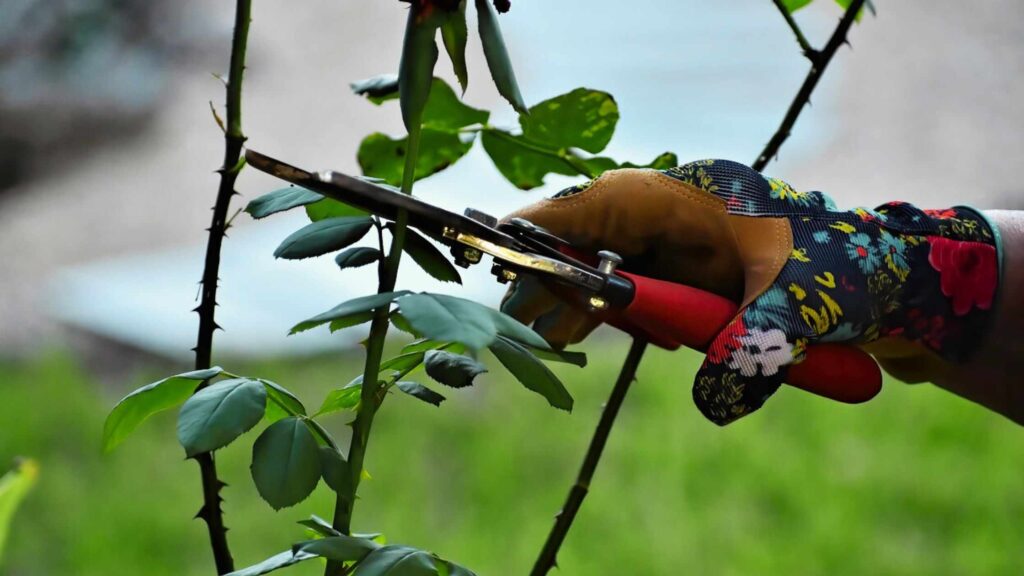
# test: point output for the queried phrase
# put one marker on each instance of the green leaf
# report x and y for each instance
(330, 208)
(449, 319)
(429, 258)
(598, 165)
(213, 417)
(318, 524)
(416, 68)
(582, 118)
(275, 562)
(403, 362)
(454, 34)
(281, 200)
(531, 372)
(417, 390)
(496, 55)
(384, 157)
(350, 312)
(335, 470)
(14, 486)
(280, 396)
(794, 5)
(399, 321)
(274, 412)
(338, 548)
(357, 256)
(444, 111)
(845, 5)
(421, 345)
(346, 398)
(377, 89)
(453, 370)
(664, 161)
(567, 357)
(456, 570)
(285, 463)
(519, 161)
(323, 236)
(397, 561)
(447, 113)
(511, 328)
(134, 408)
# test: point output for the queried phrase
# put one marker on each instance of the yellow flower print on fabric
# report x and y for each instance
(843, 227)
(783, 191)
(894, 251)
(799, 348)
(800, 255)
(823, 317)
(694, 173)
(722, 391)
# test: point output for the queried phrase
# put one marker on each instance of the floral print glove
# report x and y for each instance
(804, 272)
(927, 276)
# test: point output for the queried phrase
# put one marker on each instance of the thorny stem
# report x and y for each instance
(370, 397)
(211, 511)
(546, 559)
(548, 554)
(808, 50)
(803, 96)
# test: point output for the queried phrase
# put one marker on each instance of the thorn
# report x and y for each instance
(217, 118)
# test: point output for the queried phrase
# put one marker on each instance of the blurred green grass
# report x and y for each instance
(914, 482)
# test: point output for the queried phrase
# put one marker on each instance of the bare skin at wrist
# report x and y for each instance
(994, 376)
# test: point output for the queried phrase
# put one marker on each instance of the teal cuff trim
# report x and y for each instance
(996, 236)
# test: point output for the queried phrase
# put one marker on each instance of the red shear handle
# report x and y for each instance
(671, 315)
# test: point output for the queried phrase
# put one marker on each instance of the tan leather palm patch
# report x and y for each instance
(764, 244)
(670, 230)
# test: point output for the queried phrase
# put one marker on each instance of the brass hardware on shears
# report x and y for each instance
(518, 247)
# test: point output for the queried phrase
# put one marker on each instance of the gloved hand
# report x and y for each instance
(917, 283)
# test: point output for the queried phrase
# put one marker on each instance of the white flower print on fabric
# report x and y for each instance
(763, 351)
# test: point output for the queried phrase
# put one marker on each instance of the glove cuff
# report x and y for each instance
(949, 292)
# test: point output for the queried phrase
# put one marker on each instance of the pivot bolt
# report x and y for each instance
(609, 261)
(472, 255)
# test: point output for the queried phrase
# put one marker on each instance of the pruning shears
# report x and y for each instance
(667, 314)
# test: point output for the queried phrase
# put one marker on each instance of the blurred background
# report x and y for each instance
(107, 153)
